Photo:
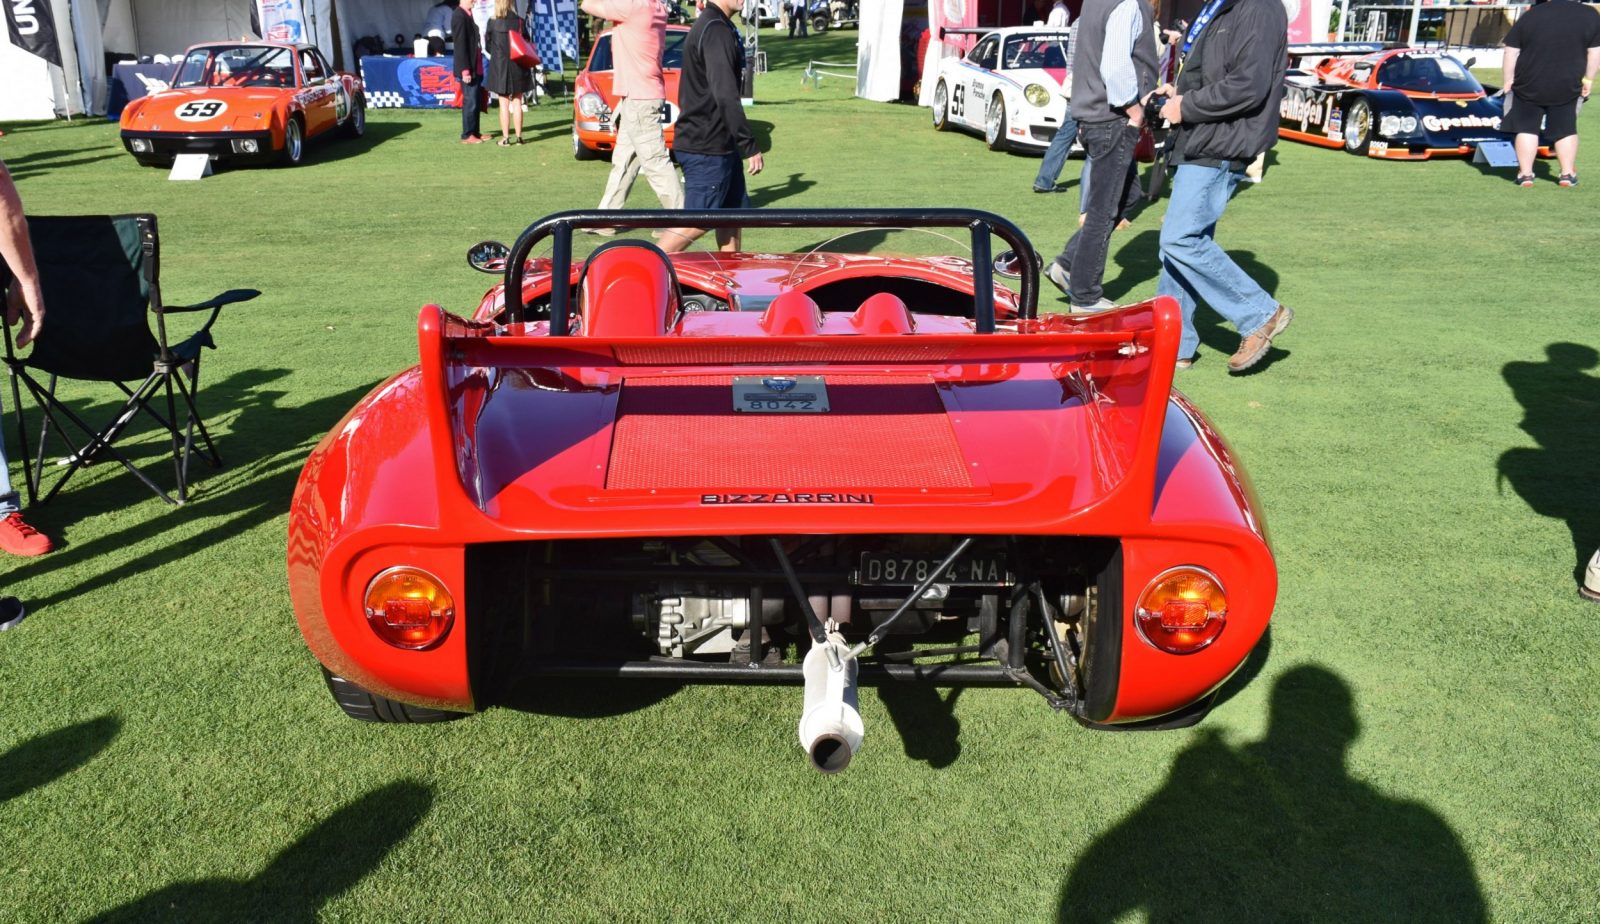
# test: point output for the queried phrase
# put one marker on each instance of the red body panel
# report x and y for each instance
(1064, 426)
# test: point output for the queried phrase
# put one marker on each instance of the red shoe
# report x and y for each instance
(19, 538)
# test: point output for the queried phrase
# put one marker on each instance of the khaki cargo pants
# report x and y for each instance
(641, 148)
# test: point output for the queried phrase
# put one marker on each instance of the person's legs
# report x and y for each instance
(1567, 155)
(1561, 123)
(469, 111)
(624, 163)
(650, 145)
(1055, 156)
(1110, 144)
(735, 196)
(1190, 252)
(16, 536)
(516, 116)
(704, 187)
(505, 120)
(1527, 149)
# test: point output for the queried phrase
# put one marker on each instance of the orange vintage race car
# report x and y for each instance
(245, 102)
(594, 102)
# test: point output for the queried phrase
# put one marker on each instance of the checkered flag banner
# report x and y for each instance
(554, 24)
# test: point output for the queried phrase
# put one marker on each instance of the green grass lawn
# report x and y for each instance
(1417, 742)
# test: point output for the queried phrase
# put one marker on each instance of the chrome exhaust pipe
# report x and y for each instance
(830, 723)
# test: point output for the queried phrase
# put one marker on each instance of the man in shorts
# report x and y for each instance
(1551, 56)
(713, 140)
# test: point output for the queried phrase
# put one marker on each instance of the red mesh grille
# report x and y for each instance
(881, 432)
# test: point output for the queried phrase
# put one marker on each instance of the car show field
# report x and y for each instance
(1413, 740)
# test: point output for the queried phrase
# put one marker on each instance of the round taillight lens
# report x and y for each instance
(1182, 611)
(409, 608)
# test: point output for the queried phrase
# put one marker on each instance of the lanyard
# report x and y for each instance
(1200, 23)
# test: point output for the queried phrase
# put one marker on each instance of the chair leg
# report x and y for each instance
(28, 469)
(179, 461)
(99, 440)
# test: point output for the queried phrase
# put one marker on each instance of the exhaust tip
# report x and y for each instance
(831, 753)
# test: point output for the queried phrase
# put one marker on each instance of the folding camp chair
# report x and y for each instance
(101, 276)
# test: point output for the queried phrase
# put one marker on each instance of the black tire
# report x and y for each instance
(819, 23)
(359, 704)
(294, 143)
(994, 124)
(355, 124)
(579, 151)
(1358, 123)
(941, 107)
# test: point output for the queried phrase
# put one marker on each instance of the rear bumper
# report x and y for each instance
(217, 146)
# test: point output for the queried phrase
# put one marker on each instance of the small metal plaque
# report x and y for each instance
(780, 394)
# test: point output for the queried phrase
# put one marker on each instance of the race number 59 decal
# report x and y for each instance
(201, 110)
(958, 102)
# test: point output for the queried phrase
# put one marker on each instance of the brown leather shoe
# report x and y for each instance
(1255, 346)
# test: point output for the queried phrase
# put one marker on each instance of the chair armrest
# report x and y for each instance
(226, 298)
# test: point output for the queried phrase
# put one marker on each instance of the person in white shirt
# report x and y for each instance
(1059, 17)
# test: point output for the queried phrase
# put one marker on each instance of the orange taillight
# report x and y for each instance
(1182, 611)
(409, 608)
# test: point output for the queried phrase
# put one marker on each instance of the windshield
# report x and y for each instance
(671, 52)
(236, 66)
(1427, 74)
(1025, 51)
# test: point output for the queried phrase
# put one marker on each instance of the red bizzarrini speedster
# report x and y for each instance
(245, 102)
(815, 468)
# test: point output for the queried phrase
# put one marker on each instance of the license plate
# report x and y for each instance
(780, 394)
(880, 569)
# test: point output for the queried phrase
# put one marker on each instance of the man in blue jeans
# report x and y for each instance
(712, 139)
(1225, 112)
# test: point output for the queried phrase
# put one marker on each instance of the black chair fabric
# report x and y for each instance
(100, 276)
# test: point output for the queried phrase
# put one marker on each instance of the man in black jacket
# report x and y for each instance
(1225, 110)
(712, 137)
(469, 66)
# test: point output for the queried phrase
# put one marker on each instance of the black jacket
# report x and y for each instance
(468, 50)
(710, 119)
(1232, 83)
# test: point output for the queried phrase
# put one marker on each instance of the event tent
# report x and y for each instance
(94, 31)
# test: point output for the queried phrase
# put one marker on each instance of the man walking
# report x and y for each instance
(713, 141)
(1551, 56)
(1113, 74)
(641, 146)
(1224, 111)
(469, 67)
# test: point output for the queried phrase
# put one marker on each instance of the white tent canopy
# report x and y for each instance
(90, 30)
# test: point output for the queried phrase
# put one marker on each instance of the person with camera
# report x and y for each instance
(1113, 75)
(1224, 113)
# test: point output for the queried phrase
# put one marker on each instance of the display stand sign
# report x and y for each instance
(1495, 154)
(190, 167)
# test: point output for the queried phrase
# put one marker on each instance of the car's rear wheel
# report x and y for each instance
(1358, 123)
(355, 125)
(358, 703)
(994, 124)
(579, 150)
(819, 23)
(294, 143)
(941, 107)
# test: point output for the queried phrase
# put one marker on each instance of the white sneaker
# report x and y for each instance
(1591, 579)
(1104, 304)
(1058, 276)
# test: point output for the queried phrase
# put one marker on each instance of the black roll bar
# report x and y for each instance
(560, 226)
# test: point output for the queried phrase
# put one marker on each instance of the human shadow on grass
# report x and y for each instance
(263, 448)
(45, 758)
(324, 863)
(767, 194)
(1560, 401)
(1277, 830)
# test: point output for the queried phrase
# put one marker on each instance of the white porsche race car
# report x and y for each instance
(1012, 86)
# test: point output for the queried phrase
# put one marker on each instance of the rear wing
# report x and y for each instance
(1112, 373)
(1339, 49)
